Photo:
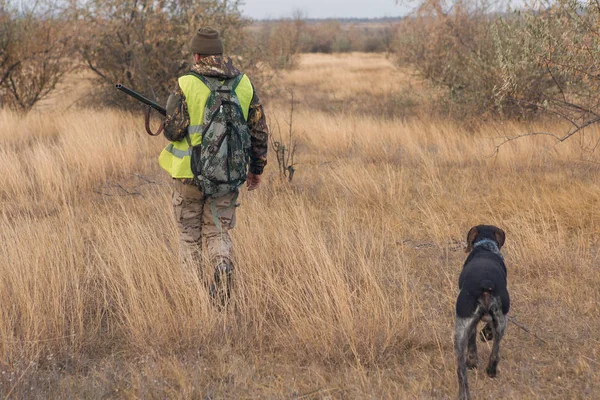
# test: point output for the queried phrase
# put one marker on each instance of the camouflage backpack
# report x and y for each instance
(220, 162)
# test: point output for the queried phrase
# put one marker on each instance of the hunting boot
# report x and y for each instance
(220, 288)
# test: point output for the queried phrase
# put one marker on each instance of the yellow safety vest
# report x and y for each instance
(175, 158)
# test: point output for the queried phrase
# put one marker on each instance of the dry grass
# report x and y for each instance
(358, 83)
(346, 277)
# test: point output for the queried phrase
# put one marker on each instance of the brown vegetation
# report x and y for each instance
(331, 36)
(144, 45)
(511, 64)
(356, 83)
(346, 277)
(35, 53)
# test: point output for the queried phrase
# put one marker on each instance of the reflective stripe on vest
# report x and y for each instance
(175, 158)
(176, 152)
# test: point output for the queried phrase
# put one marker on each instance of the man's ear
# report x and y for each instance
(500, 237)
(470, 239)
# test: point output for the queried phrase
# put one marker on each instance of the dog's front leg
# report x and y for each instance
(464, 328)
(499, 324)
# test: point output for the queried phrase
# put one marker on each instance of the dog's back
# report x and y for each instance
(483, 271)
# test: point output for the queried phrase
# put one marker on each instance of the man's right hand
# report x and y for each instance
(252, 181)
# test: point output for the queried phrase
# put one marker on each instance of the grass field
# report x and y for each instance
(346, 277)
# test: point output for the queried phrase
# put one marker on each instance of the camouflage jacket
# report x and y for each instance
(178, 119)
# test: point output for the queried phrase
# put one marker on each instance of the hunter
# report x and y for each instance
(218, 140)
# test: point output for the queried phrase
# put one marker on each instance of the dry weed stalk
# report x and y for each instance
(285, 149)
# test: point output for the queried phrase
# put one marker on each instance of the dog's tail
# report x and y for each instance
(487, 287)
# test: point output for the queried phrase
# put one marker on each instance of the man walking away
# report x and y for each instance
(218, 139)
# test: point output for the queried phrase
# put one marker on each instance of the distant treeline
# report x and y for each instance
(339, 20)
(482, 61)
(330, 36)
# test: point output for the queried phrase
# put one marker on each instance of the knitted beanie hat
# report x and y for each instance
(206, 42)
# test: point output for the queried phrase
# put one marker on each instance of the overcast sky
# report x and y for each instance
(264, 9)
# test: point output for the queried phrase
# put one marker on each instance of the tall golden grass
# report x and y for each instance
(346, 277)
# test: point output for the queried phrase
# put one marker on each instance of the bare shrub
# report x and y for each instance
(281, 41)
(565, 39)
(467, 51)
(511, 64)
(144, 44)
(35, 50)
(8, 61)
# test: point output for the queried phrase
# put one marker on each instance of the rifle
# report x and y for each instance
(150, 104)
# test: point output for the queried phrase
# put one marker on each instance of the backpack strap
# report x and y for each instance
(211, 83)
(214, 84)
(234, 82)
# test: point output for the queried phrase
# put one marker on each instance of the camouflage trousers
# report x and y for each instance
(196, 217)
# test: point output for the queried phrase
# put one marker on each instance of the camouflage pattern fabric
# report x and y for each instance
(216, 67)
(178, 118)
(195, 221)
(220, 161)
(259, 136)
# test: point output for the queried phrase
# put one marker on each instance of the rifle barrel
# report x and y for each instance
(141, 98)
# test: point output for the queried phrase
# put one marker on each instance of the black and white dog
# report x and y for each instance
(483, 296)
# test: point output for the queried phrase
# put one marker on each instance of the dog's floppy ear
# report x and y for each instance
(470, 239)
(500, 237)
